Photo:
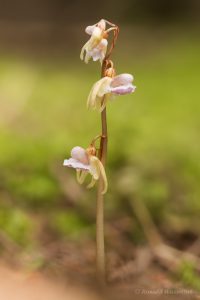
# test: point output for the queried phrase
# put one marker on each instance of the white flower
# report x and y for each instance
(107, 88)
(96, 47)
(85, 161)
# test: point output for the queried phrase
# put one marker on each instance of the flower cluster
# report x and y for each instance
(86, 161)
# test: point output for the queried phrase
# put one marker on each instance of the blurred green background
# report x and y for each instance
(154, 145)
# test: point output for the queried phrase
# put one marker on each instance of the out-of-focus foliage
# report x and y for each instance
(189, 276)
(16, 225)
(154, 146)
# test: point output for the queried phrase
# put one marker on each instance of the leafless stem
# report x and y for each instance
(100, 249)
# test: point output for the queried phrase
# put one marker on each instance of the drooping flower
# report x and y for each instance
(86, 162)
(107, 88)
(96, 47)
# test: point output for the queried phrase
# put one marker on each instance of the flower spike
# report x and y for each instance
(91, 160)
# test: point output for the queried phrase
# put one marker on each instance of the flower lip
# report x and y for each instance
(123, 89)
(122, 79)
(73, 163)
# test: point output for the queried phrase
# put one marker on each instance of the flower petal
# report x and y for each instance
(97, 170)
(123, 89)
(99, 52)
(104, 87)
(89, 29)
(81, 175)
(87, 57)
(103, 102)
(79, 154)
(92, 183)
(104, 177)
(93, 42)
(98, 90)
(95, 39)
(122, 79)
(102, 24)
(94, 167)
(73, 163)
(83, 50)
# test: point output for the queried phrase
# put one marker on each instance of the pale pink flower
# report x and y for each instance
(107, 88)
(85, 162)
(96, 47)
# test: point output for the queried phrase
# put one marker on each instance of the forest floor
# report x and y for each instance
(71, 275)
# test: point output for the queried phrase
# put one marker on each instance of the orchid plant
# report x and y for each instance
(92, 160)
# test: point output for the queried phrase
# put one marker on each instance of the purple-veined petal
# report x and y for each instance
(123, 89)
(122, 79)
(73, 163)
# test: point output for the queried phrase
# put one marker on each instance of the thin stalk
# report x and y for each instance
(100, 248)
